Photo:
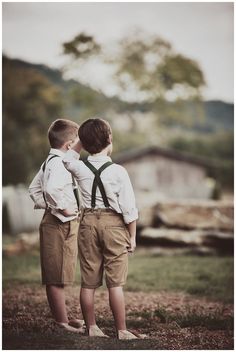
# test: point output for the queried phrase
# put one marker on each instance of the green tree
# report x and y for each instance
(82, 46)
(153, 68)
(30, 103)
(145, 68)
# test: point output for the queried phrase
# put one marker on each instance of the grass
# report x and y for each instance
(210, 276)
(21, 268)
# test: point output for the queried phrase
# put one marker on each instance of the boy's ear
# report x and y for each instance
(110, 138)
(67, 145)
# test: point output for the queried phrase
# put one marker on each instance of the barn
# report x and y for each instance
(159, 173)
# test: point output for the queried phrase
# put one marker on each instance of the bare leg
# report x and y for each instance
(87, 306)
(56, 300)
(117, 304)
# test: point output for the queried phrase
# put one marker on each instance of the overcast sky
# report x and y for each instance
(201, 31)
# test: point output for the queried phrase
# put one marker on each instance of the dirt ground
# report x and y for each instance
(169, 321)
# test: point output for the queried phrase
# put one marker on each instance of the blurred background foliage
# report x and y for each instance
(158, 101)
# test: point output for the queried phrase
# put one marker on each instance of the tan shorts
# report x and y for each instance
(103, 247)
(58, 250)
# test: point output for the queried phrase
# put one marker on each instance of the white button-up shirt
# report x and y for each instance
(55, 186)
(115, 179)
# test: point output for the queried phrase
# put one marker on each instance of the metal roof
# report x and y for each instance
(134, 154)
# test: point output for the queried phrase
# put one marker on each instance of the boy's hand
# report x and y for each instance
(132, 247)
(132, 230)
(69, 212)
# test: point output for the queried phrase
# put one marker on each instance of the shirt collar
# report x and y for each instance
(103, 158)
(57, 152)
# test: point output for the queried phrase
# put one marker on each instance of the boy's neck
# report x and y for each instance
(105, 152)
(63, 150)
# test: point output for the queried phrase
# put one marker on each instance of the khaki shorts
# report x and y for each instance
(103, 247)
(58, 250)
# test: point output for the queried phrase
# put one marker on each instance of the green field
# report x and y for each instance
(210, 276)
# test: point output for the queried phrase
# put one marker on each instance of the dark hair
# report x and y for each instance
(61, 131)
(94, 135)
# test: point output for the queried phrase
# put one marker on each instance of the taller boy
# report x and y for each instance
(52, 189)
(108, 226)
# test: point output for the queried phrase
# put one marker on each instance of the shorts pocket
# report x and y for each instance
(121, 228)
(119, 235)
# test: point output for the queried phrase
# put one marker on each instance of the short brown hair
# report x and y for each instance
(94, 135)
(61, 131)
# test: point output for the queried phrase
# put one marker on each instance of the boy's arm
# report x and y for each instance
(126, 198)
(132, 230)
(127, 205)
(56, 190)
(36, 193)
(71, 160)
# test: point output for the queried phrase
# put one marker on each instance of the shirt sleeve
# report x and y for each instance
(126, 199)
(58, 179)
(36, 192)
(71, 162)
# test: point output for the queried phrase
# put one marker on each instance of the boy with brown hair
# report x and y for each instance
(52, 190)
(108, 225)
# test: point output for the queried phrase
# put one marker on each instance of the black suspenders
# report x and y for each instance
(45, 162)
(97, 182)
(75, 187)
(75, 190)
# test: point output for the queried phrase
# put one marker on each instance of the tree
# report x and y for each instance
(81, 47)
(145, 69)
(30, 103)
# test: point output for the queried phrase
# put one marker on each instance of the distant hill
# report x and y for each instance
(218, 114)
(77, 93)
